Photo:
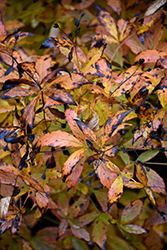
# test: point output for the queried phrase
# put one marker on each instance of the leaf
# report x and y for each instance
(72, 160)
(59, 139)
(135, 185)
(131, 211)
(155, 6)
(155, 182)
(42, 201)
(150, 56)
(162, 96)
(115, 5)
(88, 133)
(147, 155)
(17, 92)
(141, 174)
(150, 195)
(101, 198)
(72, 179)
(60, 96)
(63, 226)
(69, 82)
(99, 234)
(134, 229)
(4, 206)
(29, 113)
(106, 171)
(112, 123)
(42, 65)
(80, 233)
(71, 116)
(107, 22)
(88, 218)
(116, 190)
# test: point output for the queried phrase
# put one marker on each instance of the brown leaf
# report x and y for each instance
(42, 201)
(80, 233)
(60, 96)
(17, 92)
(150, 56)
(115, 5)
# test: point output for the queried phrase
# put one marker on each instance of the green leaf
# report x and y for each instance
(134, 229)
(147, 155)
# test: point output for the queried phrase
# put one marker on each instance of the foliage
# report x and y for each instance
(81, 124)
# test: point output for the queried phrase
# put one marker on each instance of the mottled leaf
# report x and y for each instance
(116, 190)
(59, 139)
(141, 174)
(60, 96)
(99, 234)
(134, 229)
(131, 211)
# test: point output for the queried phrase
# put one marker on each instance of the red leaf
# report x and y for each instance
(59, 139)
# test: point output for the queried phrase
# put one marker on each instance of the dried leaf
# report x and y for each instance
(131, 211)
(17, 92)
(42, 65)
(116, 190)
(133, 185)
(88, 133)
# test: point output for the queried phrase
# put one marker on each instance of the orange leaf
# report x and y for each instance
(42, 65)
(60, 96)
(72, 179)
(88, 133)
(42, 201)
(132, 185)
(116, 190)
(72, 160)
(141, 174)
(71, 115)
(150, 56)
(59, 139)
